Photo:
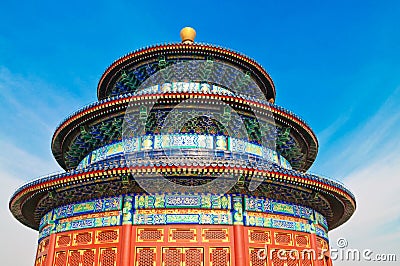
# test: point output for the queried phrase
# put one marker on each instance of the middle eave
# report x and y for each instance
(113, 107)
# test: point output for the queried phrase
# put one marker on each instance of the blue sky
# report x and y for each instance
(336, 64)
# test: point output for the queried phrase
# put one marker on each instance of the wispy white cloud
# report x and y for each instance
(20, 163)
(326, 134)
(376, 222)
(364, 144)
(24, 96)
(20, 242)
(369, 157)
(31, 109)
(25, 117)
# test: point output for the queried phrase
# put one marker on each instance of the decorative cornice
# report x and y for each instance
(36, 188)
(120, 103)
(174, 48)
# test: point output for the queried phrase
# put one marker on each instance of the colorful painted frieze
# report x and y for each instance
(46, 219)
(153, 143)
(321, 220)
(109, 219)
(277, 222)
(319, 231)
(279, 207)
(46, 231)
(93, 206)
(201, 201)
(182, 216)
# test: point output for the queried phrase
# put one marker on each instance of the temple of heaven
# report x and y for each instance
(185, 159)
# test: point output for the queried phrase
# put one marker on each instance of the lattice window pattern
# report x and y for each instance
(88, 258)
(283, 239)
(215, 235)
(277, 259)
(259, 236)
(183, 235)
(306, 262)
(147, 235)
(108, 257)
(107, 236)
(193, 257)
(83, 238)
(292, 260)
(302, 241)
(43, 245)
(60, 258)
(322, 244)
(172, 256)
(258, 257)
(44, 260)
(145, 257)
(219, 257)
(63, 240)
(204, 125)
(74, 258)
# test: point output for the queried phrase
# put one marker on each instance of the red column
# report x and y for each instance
(240, 252)
(314, 245)
(50, 251)
(126, 244)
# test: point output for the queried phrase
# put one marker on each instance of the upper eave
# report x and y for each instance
(152, 54)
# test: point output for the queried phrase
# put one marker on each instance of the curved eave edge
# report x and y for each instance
(125, 99)
(314, 182)
(189, 47)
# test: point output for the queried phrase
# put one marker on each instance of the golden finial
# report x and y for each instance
(187, 35)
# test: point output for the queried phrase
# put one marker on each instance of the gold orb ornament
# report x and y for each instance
(187, 35)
